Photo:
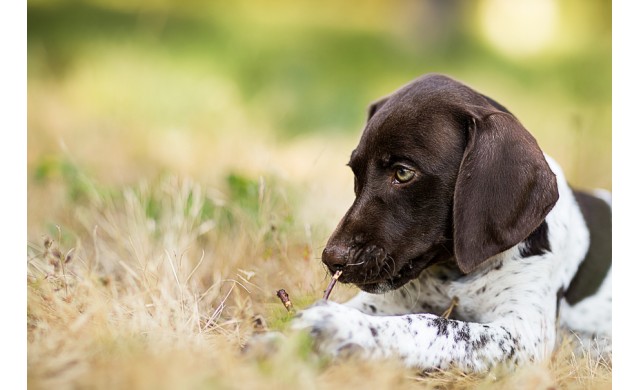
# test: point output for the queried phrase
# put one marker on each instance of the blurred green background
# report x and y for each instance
(127, 90)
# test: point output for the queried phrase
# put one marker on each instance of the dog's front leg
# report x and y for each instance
(423, 341)
(391, 303)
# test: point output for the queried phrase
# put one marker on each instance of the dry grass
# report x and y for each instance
(158, 286)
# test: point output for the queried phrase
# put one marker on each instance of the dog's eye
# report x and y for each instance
(403, 175)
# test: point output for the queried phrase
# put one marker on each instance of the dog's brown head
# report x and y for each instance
(441, 173)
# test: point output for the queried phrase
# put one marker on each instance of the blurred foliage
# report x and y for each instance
(307, 76)
(78, 185)
(119, 77)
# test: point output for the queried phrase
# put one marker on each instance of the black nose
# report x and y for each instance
(335, 256)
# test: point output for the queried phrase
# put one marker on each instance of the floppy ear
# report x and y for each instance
(503, 192)
(375, 106)
(496, 104)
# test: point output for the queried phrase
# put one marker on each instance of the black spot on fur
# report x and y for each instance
(374, 332)
(511, 353)
(442, 325)
(501, 344)
(537, 243)
(559, 296)
(462, 334)
(480, 342)
(509, 337)
(373, 309)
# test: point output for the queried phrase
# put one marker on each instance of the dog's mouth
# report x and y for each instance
(388, 278)
(374, 270)
(392, 281)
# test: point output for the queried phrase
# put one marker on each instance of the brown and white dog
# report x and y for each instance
(455, 200)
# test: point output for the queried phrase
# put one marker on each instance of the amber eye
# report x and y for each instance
(404, 174)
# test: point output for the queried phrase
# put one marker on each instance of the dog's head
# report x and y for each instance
(441, 173)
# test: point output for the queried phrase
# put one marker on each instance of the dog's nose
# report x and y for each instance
(335, 256)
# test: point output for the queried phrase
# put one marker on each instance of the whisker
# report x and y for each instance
(388, 273)
(393, 263)
(406, 290)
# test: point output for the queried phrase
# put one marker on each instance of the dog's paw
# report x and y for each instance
(263, 344)
(338, 330)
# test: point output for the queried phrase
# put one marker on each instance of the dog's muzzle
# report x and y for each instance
(359, 264)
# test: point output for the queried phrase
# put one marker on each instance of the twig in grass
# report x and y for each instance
(454, 303)
(284, 297)
(332, 283)
(57, 259)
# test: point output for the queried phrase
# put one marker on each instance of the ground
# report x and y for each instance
(168, 285)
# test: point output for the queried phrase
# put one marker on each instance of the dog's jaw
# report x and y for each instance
(408, 272)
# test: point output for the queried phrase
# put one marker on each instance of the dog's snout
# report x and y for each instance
(335, 256)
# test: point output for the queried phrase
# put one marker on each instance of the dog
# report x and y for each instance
(456, 202)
